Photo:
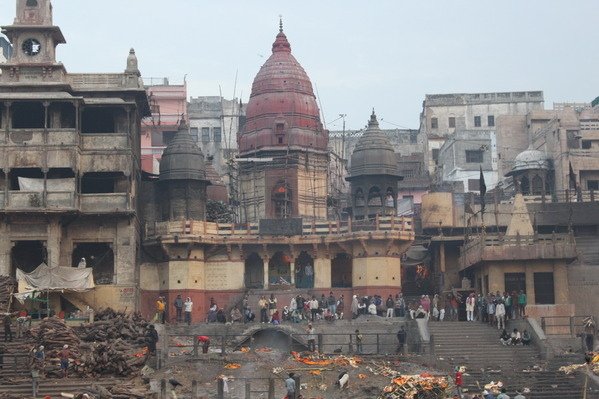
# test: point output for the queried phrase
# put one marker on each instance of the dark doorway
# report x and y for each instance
(515, 282)
(254, 271)
(99, 256)
(304, 271)
(544, 288)
(103, 183)
(28, 255)
(341, 271)
(279, 270)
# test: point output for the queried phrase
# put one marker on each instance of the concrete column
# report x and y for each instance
(530, 285)
(560, 284)
(292, 271)
(442, 257)
(53, 243)
(265, 266)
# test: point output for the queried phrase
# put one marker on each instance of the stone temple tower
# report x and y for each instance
(374, 174)
(183, 179)
(282, 146)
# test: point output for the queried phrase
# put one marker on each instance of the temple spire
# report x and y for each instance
(280, 23)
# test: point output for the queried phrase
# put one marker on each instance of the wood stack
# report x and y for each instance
(8, 286)
(111, 325)
(53, 333)
(118, 357)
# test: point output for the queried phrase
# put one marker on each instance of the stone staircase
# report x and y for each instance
(476, 346)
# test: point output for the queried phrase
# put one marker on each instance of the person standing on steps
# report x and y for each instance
(263, 305)
(178, 308)
(359, 339)
(390, 304)
(64, 355)
(500, 314)
(188, 305)
(522, 303)
(470, 304)
(402, 336)
(7, 330)
(311, 337)
(332, 303)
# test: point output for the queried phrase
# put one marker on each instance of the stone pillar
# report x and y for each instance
(560, 282)
(265, 266)
(53, 243)
(292, 272)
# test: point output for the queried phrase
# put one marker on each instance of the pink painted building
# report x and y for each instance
(169, 107)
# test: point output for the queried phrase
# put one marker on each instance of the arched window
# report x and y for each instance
(374, 197)
(537, 185)
(281, 198)
(524, 185)
(359, 198)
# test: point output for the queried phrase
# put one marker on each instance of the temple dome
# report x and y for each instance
(373, 154)
(182, 159)
(530, 159)
(282, 110)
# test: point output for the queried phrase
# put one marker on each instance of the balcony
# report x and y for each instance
(40, 137)
(105, 203)
(48, 201)
(104, 141)
(505, 248)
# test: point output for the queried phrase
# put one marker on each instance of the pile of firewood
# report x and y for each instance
(53, 333)
(116, 357)
(8, 286)
(112, 345)
(111, 325)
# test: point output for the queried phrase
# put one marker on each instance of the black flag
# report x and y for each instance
(483, 189)
(572, 177)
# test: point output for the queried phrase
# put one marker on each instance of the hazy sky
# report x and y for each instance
(385, 54)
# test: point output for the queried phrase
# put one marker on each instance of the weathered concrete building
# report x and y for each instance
(215, 122)
(168, 103)
(461, 157)
(70, 162)
(441, 114)
(5, 49)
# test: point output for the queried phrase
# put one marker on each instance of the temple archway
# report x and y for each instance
(341, 271)
(304, 271)
(254, 271)
(279, 270)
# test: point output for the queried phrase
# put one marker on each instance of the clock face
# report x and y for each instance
(31, 47)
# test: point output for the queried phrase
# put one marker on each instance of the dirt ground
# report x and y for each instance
(317, 381)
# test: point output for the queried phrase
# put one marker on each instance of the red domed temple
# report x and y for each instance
(282, 146)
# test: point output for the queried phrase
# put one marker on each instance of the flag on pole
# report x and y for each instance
(483, 189)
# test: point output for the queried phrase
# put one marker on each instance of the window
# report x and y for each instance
(473, 184)
(544, 288)
(586, 144)
(102, 120)
(474, 156)
(195, 133)
(434, 123)
(28, 115)
(515, 282)
(452, 121)
(217, 134)
(436, 155)
(491, 120)
(31, 3)
(205, 134)
(477, 121)
(593, 185)
(279, 128)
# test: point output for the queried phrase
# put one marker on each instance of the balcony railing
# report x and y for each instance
(501, 248)
(384, 225)
(38, 200)
(39, 137)
(104, 203)
(104, 141)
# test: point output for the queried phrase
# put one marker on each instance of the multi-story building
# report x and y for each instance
(70, 163)
(215, 122)
(479, 111)
(463, 155)
(168, 103)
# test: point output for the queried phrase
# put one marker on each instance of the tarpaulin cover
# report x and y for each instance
(55, 278)
(29, 184)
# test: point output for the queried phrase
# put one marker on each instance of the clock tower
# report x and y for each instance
(34, 38)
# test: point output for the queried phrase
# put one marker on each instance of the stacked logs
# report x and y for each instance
(8, 285)
(112, 345)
